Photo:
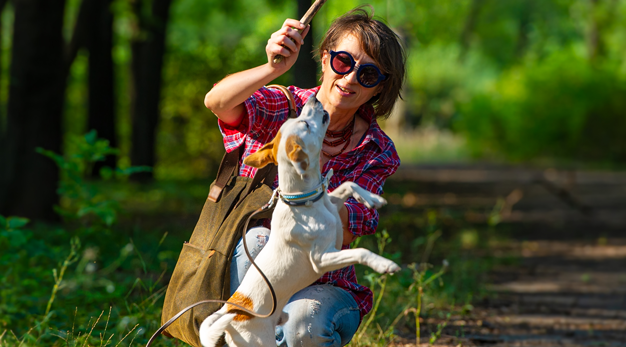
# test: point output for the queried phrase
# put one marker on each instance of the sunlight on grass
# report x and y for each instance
(431, 145)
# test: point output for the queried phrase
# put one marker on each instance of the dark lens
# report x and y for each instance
(342, 63)
(368, 75)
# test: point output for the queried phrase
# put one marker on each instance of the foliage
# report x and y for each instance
(421, 290)
(80, 199)
(562, 107)
(107, 289)
(463, 56)
(99, 271)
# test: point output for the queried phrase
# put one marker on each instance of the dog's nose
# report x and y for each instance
(325, 118)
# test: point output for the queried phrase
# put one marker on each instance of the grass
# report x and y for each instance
(123, 272)
(120, 241)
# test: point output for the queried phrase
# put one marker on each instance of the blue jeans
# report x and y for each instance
(319, 315)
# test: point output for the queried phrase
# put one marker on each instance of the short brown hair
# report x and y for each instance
(381, 44)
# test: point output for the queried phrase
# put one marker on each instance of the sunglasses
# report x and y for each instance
(368, 75)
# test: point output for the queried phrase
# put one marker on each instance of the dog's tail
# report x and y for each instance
(213, 327)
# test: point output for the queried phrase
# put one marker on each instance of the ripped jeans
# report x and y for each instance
(319, 315)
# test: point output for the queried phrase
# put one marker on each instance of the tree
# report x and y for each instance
(305, 68)
(524, 26)
(148, 49)
(101, 104)
(2, 5)
(34, 112)
(468, 28)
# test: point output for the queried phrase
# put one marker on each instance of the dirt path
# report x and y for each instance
(564, 293)
(568, 229)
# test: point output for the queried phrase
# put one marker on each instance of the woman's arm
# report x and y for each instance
(227, 96)
(348, 237)
(357, 219)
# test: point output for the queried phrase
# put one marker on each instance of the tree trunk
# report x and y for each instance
(603, 14)
(101, 104)
(523, 28)
(594, 44)
(468, 28)
(2, 133)
(147, 62)
(34, 112)
(305, 68)
(396, 124)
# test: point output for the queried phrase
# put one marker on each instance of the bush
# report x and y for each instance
(561, 107)
(437, 81)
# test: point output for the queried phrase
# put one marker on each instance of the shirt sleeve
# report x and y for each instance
(266, 110)
(363, 220)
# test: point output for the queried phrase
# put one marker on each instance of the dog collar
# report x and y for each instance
(307, 198)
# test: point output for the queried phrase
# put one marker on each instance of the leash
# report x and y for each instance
(265, 207)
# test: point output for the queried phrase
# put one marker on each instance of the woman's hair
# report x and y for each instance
(381, 44)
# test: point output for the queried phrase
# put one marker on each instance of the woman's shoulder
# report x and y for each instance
(381, 142)
(385, 148)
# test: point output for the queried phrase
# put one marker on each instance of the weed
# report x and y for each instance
(58, 275)
(89, 275)
(79, 198)
(422, 279)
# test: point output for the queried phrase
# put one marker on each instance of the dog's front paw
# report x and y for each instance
(386, 266)
(371, 200)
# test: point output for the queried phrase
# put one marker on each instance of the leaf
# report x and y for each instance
(91, 137)
(17, 238)
(15, 223)
(58, 159)
(106, 173)
(133, 169)
(108, 216)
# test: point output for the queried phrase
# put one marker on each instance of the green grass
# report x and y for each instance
(99, 278)
(115, 281)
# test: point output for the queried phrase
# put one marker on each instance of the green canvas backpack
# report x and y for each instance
(203, 268)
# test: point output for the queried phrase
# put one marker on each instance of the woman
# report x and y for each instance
(362, 72)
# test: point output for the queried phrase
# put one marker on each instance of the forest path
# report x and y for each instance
(568, 230)
(564, 293)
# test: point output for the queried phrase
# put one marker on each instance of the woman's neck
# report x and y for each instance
(339, 117)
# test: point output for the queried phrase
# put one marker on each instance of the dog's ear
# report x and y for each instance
(265, 155)
(295, 153)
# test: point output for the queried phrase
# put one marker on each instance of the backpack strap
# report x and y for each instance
(292, 102)
(229, 163)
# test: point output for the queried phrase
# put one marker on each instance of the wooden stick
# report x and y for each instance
(306, 19)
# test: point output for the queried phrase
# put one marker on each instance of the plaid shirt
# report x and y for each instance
(368, 165)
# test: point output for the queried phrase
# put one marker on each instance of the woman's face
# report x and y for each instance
(343, 92)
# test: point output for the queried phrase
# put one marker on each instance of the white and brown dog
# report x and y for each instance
(306, 233)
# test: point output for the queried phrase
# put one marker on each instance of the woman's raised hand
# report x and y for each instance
(286, 42)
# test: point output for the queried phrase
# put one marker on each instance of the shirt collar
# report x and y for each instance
(366, 111)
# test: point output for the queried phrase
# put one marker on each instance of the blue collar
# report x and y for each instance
(306, 198)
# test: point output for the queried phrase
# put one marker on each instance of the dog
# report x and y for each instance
(306, 237)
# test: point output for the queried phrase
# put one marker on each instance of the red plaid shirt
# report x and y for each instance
(368, 165)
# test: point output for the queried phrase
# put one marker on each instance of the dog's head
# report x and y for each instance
(298, 142)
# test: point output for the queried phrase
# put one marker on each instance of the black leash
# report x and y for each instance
(267, 206)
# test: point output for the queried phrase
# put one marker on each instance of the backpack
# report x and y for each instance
(203, 268)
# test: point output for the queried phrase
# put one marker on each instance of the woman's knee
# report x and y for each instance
(304, 329)
(256, 239)
(319, 316)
